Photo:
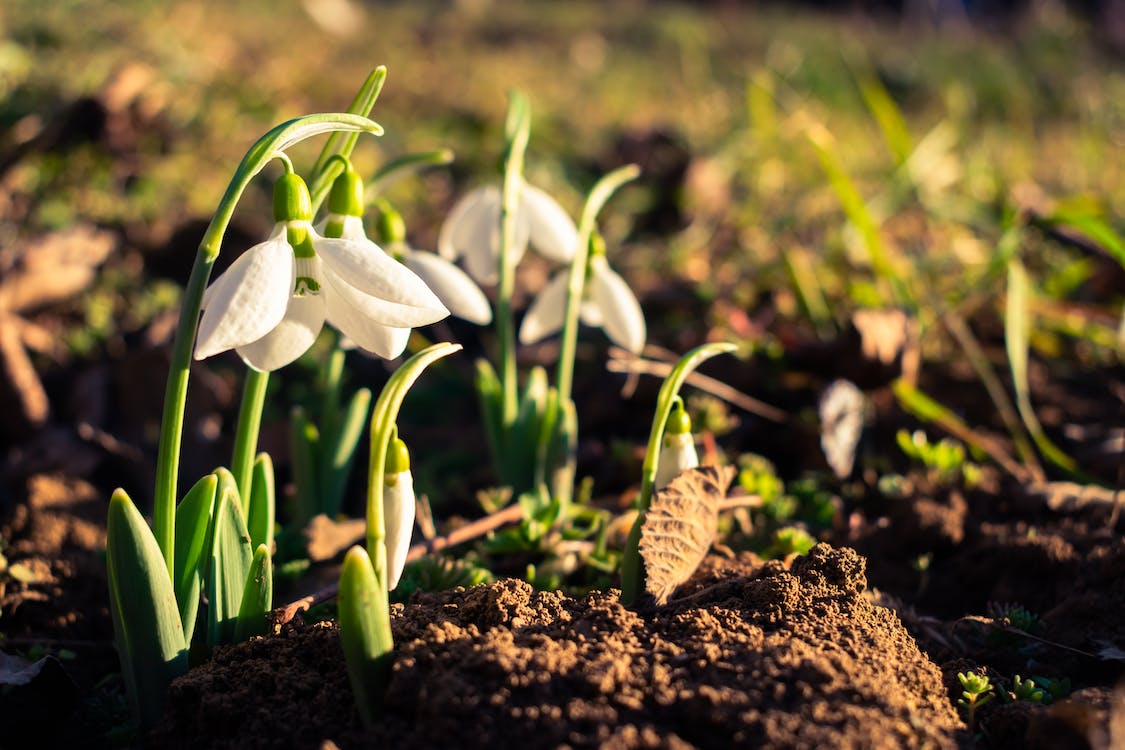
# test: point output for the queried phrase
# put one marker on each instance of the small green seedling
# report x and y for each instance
(1027, 690)
(976, 691)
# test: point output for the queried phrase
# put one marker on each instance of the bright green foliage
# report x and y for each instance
(263, 503)
(229, 569)
(193, 526)
(146, 620)
(435, 573)
(1027, 690)
(365, 631)
(977, 690)
(791, 540)
(257, 596)
(945, 458)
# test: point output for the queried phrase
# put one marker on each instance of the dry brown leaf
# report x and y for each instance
(882, 333)
(680, 526)
(54, 267)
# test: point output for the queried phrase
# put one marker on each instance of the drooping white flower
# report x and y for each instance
(455, 288)
(607, 303)
(472, 230)
(398, 509)
(677, 451)
(273, 300)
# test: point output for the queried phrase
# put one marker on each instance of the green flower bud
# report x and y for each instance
(390, 228)
(398, 460)
(291, 201)
(346, 197)
(679, 423)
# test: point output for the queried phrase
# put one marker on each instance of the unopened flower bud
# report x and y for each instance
(398, 509)
(677, 452)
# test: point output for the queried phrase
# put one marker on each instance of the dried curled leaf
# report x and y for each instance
(680, 526)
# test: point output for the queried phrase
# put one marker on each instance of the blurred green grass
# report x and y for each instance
(1033, 114)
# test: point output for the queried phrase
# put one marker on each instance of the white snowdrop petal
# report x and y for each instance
(552, 231)
(398, 505)
(291, 338)
(364, 266)
(470, 222)
(452, 286)
(677, 454)
(248, 300)
(590, 314)
(547, 313)
(384, 341)
(623, 320)
(343, 295)
(353, 226)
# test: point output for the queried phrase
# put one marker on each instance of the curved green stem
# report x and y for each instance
(383, 421)
(632, 568)
(599, 195)
(261, 153)
(246, 434)
(517, 129)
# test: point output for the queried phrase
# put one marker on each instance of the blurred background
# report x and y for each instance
(122, 121)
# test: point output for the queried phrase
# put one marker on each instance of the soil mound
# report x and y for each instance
(748, 654)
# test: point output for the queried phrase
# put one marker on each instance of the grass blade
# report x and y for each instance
(1017, 333)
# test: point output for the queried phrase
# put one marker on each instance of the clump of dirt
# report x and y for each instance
(748, 654)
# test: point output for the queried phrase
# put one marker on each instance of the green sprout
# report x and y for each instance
(366, 577)
(976, 691)
(1027, 690)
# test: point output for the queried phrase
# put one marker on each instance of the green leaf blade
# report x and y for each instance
(146, 620)
(193, 520)
(365, 631)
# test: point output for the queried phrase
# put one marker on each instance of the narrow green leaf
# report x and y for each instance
(1083, 218)
(263, 503)
(230, 564)
(1017, 333)
(403, 166)
(193, 520)
(886, 114)
(365, 632)
(257, 597)
(491, 407)
(341, 142)
(146, 620)
(345, 440)
(855, 208)
(303, 440)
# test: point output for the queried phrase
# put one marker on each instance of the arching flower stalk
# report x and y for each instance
(274, 299)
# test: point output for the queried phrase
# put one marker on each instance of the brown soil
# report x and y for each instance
(749, 654)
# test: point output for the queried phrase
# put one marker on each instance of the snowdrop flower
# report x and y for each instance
(607, 303)
(453, 286)
(472, 230)
(677, 452)
(272, 302)
(398, 509)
